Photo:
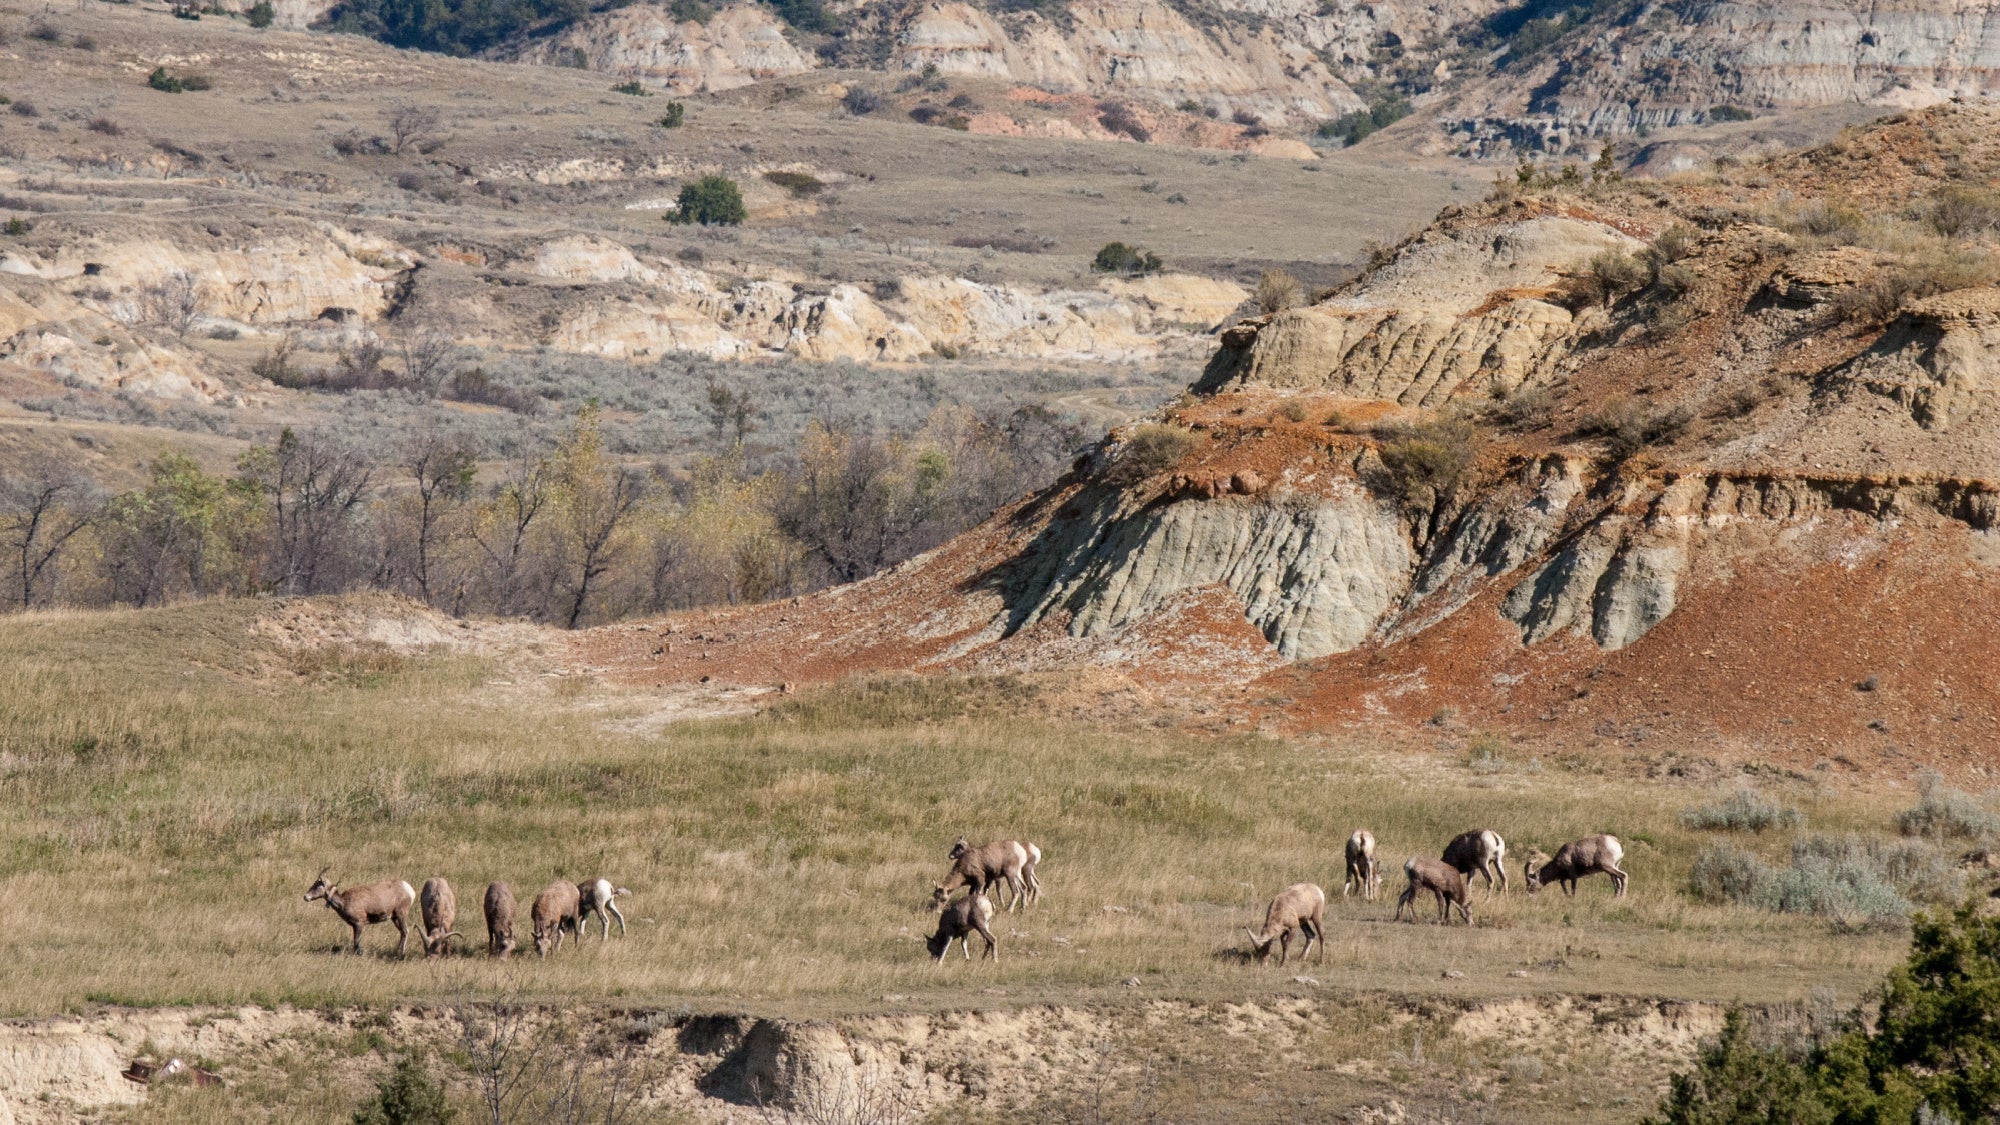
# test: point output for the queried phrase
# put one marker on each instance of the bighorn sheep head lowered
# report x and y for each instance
(1363, 873)
(958, 922)
(1442, 880)
(1009, 863)
(1301, 907)
(440, 909)
(499, 919)
(1576, 859)
(386, 901)
(1480, 851)
(557, 909)
(596, 897)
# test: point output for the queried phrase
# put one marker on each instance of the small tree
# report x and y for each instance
(1277, 291)
(38, 519)
(412, 125)
(1116, 257)
(407, 1096)
(675, 117)
(260, 14)
(173, 302)
(710, 201)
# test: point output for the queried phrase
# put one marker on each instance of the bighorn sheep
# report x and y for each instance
(596, 896)
(387, 901)
(1576, 859)
(1442, 880)
(499, 919)
(1301, 907)
(440, 910)
(1479, 851)
(981, 867)
(558, 908)
(958, 921)
(1363, 873)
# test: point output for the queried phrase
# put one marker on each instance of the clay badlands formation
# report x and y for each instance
(1717, 487)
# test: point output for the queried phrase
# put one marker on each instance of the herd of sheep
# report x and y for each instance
(564, 907)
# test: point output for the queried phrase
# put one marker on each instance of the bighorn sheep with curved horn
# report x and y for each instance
(1576, 859)
(1301, 907)
(387, 901)
(440, 909)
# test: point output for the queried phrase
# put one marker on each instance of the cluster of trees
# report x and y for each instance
(1929, 1054)
(566, 533)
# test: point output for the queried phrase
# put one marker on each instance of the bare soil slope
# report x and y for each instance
(1586, 467)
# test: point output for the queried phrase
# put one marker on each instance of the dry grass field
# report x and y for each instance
(173, 778)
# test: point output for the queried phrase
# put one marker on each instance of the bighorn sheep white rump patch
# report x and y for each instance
(1363, 873)
(1442, 880)
(1480, 851)
(1301, 907)
(1009, 863)
(1578, 858)
(596, 898)
(958, 921)
(386, 901)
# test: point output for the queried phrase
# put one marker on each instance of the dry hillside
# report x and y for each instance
(1608, 464)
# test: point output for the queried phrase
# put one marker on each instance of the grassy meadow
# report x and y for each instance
(173, 779)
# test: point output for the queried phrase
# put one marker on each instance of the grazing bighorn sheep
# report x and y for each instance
(1480, 851)
(1442, 880)
(440, 910)
(1301, 907)
(958, 921)
(595, 898)
(981, 867)
(558, 908)
(1576, 859)
(499, 919)
(1363, 873)
(387, 901)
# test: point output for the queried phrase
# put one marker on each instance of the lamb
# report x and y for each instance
(558, 908)
(596, 896)
(980, 867)
(1301, 907)
(386, 901)
(1576, 859)
(440, 910)
(1480, 851)
(958, 921)
(1442, 880)
(499, 919)
(1363, 873)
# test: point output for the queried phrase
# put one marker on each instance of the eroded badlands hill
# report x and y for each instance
(1586, 466)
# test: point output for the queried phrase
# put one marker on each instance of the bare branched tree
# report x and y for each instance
(504, 1052)
(412, 125)
(427, 355)
(39, 517)
(174, 302)
(442, 469)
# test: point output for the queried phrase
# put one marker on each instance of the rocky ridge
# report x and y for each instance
(1618, 71)
(1770, 437)
(70, 304)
